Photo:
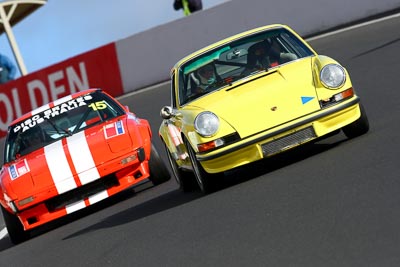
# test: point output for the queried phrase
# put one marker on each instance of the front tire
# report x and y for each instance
(15, 228)
(185, 179)
(158, 171)
(359, 127)
(208, 182)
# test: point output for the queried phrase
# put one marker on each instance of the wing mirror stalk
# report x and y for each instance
(168, 112)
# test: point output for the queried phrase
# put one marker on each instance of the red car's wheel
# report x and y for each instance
(158, 171)
(15, 229)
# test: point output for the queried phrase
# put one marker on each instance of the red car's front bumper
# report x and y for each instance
(84, 196)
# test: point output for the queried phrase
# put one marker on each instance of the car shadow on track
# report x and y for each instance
(176, 198)
(164, 202)
(5, 243)
(269, 165)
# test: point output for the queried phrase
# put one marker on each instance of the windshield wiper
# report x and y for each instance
(58, 128)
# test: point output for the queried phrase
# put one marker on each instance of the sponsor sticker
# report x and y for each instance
(306, 99)
(114, 129)
(39, 116)
(18, 169)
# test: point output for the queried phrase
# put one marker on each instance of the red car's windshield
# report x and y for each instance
(60, 121)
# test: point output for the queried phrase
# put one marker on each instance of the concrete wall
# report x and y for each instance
(146, 58)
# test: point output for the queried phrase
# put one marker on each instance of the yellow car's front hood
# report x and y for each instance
(267, 100)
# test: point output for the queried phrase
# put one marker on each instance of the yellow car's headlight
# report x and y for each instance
(333, 76)
(206, 124)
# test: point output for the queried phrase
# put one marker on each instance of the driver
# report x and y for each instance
(35, 137)
(266, 54)
(204, 77)
(32, 140)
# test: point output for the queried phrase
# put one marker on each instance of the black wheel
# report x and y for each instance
(185, 179)
(359, 127)
(15, 229)
(158, 171)
(207, 182)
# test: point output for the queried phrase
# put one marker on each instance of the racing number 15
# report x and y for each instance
(98, 105)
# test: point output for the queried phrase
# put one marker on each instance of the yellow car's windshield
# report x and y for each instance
(237, 59)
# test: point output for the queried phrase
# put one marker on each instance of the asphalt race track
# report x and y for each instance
(334, 203)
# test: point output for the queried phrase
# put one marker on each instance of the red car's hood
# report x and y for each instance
(70, 162)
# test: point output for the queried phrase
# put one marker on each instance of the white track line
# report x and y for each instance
(3, 233)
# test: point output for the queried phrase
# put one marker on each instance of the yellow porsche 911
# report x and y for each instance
(249, 97)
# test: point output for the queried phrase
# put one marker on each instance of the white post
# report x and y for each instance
(6, 23)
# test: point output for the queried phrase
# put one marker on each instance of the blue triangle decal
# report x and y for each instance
(305, 99)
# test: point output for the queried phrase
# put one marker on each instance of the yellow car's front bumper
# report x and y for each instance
(282, 137)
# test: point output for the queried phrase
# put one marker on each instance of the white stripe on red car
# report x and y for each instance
(82, 158)
(60, 170)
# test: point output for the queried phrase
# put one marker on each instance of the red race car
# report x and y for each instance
(70, 154)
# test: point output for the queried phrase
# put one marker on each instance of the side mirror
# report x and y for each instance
(166, 112)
